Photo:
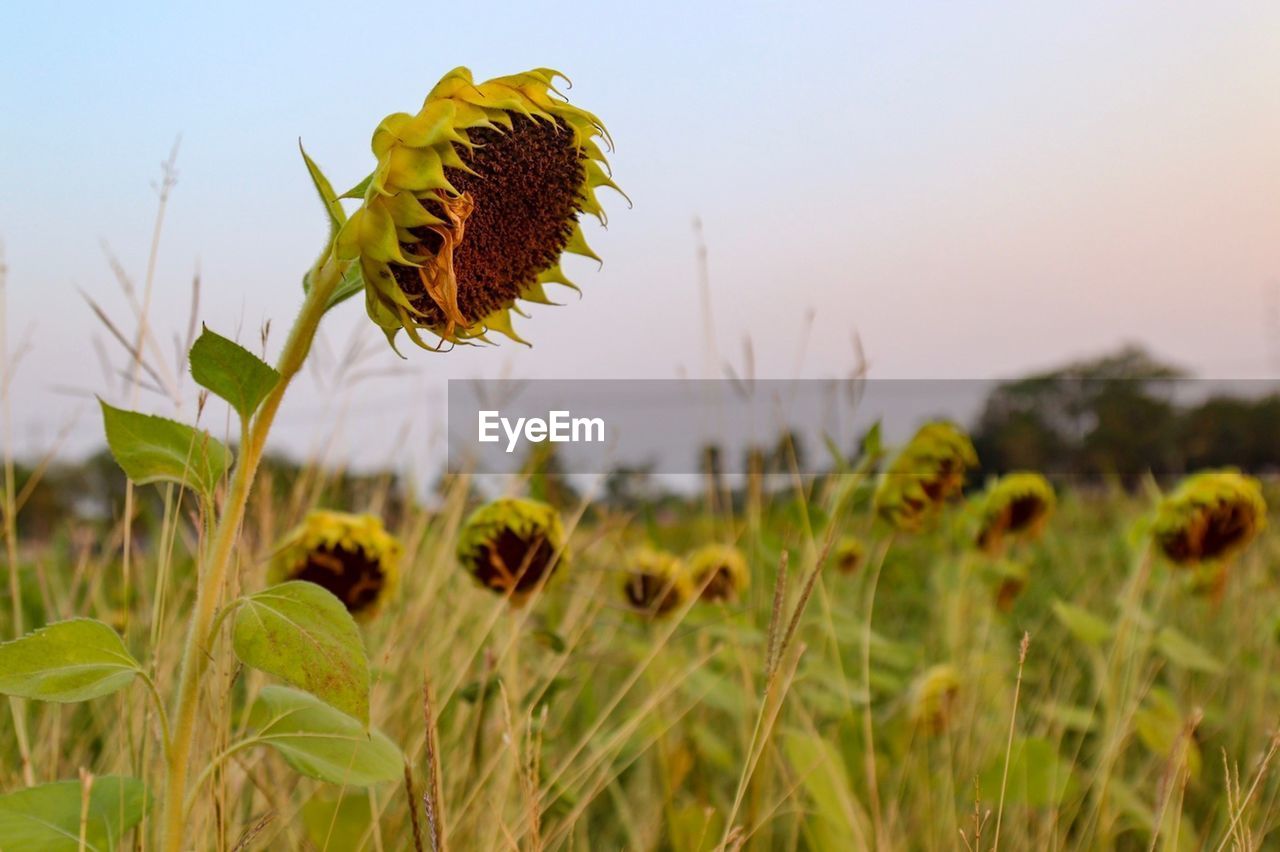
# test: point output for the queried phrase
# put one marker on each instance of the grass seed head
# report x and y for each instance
(1211, 516)
(473, 202)
(930, 470)
(656, 582)
(1017, 504)
(720, 571)
(511, 545)
(351, 556)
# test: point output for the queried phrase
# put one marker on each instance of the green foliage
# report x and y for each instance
(1081, 623)
(66, 661)
(232, 372)
(1038, 776)
(338, 822)
(321, 742)
(837, 811)
(156, 449)
(303, 635)
(47, 818)
(1182, 651)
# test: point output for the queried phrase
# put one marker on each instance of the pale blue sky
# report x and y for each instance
(973, 188)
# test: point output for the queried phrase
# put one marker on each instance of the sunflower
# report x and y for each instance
(1211, 516)
(928, 472)
(1008, 580)
(656, 582)
(511, 545)
(931, 697)
(848, 554)
(473, 202)
(1016, 504)
(351, 556)
(719, 570)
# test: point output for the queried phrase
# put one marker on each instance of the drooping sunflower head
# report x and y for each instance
(473, 201)
(511, 545)
(1008, 579)
(930, 470)
(719, 571)
(351, 556)
(932, 695)
(848, 554)
(1209, 517)
(1016, 504)
(656, 582)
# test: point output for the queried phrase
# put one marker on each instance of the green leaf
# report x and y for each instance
(337, 216)
(344, 821)
(47, 817)
(1181, 651)
(1081, 623)
(873, 442)
(479, 690)
(551, 639)
(232, 372)
(837, 812)
(322, 742)
(66, 661)
(837, 455)
(1038, 775)
(303, 635)
(155, 449)
(1069, 717)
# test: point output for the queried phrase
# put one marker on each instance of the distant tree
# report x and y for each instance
(1102, 416)
(1225, 431)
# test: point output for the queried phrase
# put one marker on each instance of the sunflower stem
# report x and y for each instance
(196, 654)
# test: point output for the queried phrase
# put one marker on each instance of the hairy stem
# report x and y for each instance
(222, 550)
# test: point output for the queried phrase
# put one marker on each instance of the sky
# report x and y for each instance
(969, 189)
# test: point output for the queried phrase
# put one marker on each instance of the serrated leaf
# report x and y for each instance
(1081, 623)
(1181, 651)
(66, 661)
(156, 449)
(231, 371)
(303, 635)
(321, 742)
(47, 817)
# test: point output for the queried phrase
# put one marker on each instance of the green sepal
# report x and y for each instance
(359, 189)
(337, 216)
